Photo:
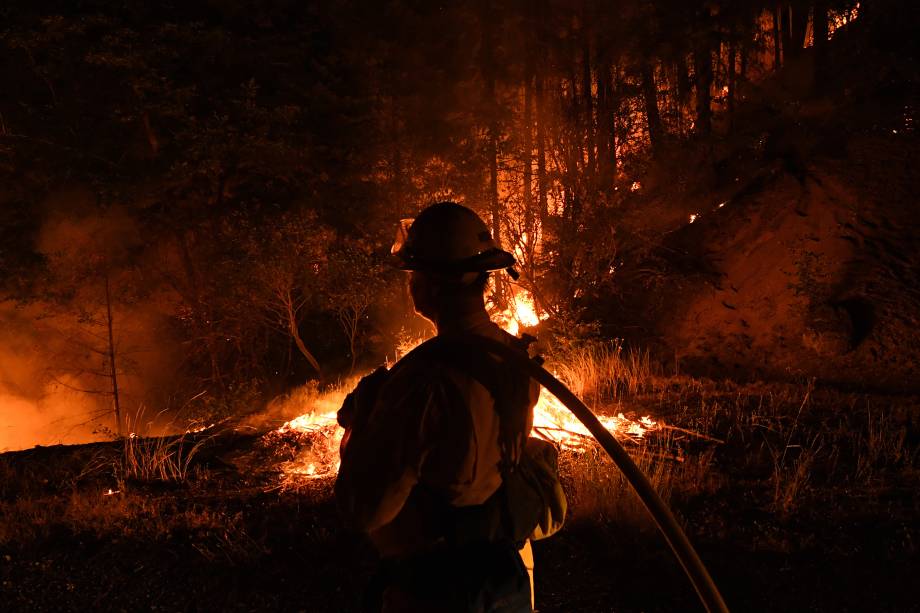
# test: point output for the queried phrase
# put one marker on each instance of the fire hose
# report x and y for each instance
(674, 535)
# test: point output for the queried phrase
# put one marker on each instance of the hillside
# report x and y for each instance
(790, 248)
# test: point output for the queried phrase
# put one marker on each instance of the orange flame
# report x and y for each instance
(552, 420)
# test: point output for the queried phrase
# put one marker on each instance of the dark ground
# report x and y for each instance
(844, 539)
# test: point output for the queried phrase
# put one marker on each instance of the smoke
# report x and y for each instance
(55, 375)
(36, 407)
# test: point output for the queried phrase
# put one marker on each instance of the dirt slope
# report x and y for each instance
(815, 277)
(802, 257)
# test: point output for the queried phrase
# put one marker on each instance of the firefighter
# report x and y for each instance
(431, 461)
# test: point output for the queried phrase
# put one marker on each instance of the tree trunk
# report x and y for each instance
(587, 95)
(702, 60)
(493, 184)
(819, 33)
(785, 25)
(151, 135)
(113, 370)
(742, 69)
(491, 107)
(731, 84)
(684, 87)
(397, 180)
(614, 102)
(777, 38)
(798, 26)
(527, 158)
(574, 153)
(542, 204)
(605, 173)
(653, 118)
(294, 331)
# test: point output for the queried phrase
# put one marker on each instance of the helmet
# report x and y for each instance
(448, 238)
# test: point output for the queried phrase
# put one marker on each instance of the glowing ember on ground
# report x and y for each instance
(321, 458)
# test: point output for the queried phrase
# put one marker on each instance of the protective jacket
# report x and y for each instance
(429, 448)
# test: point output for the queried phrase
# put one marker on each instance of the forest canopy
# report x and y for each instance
(198, 198)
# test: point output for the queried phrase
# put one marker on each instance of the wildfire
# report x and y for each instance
(552, 421)
(521, 312)
(555, 423)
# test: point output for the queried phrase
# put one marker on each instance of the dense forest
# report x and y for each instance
(198, 199)
(713, 209)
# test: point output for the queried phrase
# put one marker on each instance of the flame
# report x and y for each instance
(552, 420)
(321, 458)
(521, 312)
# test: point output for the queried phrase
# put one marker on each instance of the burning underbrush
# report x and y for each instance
(771, 481)
(774, 483)
(306, 448)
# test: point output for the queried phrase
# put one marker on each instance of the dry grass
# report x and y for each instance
(774, 447)
(883, 444)
(789, 443)
(598, 492)
(602, 372)
(158, 458)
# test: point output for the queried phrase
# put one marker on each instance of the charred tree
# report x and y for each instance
(587, 93)
(785, 27)
(113, 369)
(653, 118)
(820, 34)
(702, 62)
(777, 38)
(730, 76)
(540, 95)
(574, 158)
(487, 68)
(798, 26)
(684, 88)
(606, 147)
(529, 236)
(291, 308)
(613, 100)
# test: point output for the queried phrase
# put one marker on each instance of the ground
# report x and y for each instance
(793, 503)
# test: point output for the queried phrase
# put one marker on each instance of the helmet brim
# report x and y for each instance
(491, 259)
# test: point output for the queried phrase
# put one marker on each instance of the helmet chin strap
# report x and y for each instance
(513, 273)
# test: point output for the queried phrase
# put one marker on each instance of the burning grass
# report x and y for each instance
(690, 436)
(306, 447)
